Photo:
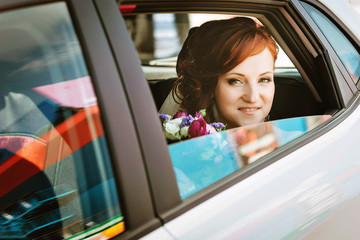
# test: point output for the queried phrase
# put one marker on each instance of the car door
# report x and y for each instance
(288, 192)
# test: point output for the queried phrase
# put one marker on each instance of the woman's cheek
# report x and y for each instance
(235, 94)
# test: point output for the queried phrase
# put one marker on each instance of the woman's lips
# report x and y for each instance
(249, 110)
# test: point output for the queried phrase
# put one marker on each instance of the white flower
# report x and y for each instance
(184, 132)
(172, 130)
(176, 121)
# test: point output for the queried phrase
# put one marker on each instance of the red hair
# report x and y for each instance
(211, 50)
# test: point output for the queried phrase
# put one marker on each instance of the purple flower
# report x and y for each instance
(180, 114)
(186, 121)
(218, 126)
(163, 117)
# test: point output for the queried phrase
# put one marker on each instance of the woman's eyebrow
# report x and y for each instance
(271, 72)
(235, 73)
(243, 75)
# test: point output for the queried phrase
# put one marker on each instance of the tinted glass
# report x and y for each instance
(200, 162)
(349, 56)
(56, 180)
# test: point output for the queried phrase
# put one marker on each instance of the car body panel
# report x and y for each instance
(160, 233)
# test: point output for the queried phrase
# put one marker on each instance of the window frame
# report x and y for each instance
(135, 196)
(164, 186)
(274, 11)
(336, 62)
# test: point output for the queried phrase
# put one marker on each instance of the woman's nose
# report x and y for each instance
(251, 93)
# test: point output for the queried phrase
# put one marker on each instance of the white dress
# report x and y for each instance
(170, 107)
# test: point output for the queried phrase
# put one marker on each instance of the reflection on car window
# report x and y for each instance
(56, 180)
(202, 161)
(342, 46)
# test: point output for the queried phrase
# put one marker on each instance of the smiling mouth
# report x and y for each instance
(249, 110)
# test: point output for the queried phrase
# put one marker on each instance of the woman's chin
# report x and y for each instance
(247, 122)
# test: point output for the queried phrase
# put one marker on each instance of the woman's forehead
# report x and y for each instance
(261, 63)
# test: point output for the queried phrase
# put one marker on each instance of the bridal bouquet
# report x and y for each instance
(183, 126)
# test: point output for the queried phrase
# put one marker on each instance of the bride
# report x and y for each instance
(226, 67)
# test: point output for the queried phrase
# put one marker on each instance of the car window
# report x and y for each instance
(56, 179)
(158, 39)
(347, 53)
(202, 161)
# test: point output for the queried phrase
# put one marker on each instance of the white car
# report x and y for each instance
(83, 153)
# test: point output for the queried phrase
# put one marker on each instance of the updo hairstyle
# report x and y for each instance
(211, 50)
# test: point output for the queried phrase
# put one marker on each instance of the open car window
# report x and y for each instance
(158, 39)
(202, 161)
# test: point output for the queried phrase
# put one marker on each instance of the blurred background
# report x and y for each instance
(158, 38)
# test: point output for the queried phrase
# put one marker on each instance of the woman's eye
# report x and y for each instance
(234, 81)
(265, 80)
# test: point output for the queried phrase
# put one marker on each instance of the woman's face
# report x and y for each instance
(244, 95)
